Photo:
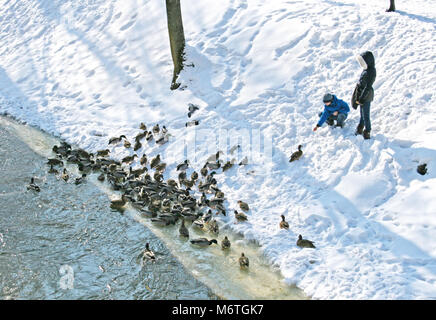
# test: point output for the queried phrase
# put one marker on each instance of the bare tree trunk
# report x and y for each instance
(392, 6)
(177, 38)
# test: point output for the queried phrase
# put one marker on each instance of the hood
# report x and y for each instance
(368, 57)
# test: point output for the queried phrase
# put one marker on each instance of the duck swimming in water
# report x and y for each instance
(183, 230)
(148, 254)
(303, 243)
(243, 261)
(65, 176)
(225, 244)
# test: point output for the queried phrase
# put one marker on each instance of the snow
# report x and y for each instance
(90, 70)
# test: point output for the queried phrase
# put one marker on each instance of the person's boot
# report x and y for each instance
(366, 135)
(329, 122)
(359, 130)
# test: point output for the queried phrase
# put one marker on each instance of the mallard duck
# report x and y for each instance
(142, 126)
(101, 177)
(148, 254)
(163, 139)
(240, 216)
(227, 165)
(160, 167)
(129, 159)
(188, 183)
(233, 149)
(158, 177)
(183, 230)
(149, 136)
(213, 227)
(225, 244)
(156, 128)
(244, 206)
(243, 261)
(203, 242)
(52, 170)
(65, 176)
(283, 223)
(297, 154)
(164, 130)
(79, 180)
(137, 172)
(116, 140)
(33, 186)
(55, 162)
(155, 161)
(194, 175)
(192, 108)
(172, 183)
(118, 203)
(192, 123)
(161, 222)
(303, 243)
(213, 165)
(183, 166)
(244, 161)
(137, 146)
(103, 153)
(199, 224)
(422, 169)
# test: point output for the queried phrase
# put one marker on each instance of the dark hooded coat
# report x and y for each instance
(364, 92)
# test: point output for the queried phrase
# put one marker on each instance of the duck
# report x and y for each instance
(244, 206)
(225, 244)
(244, 161)
(182, 176)
(143, 160)
(52, 170)
(162, 140)
(101, 177)
(127, 144)
(240, 216)
(243, 261)
(158, 177)
(103, 153)
(422, 169)
(184, 232)
(156, 128)
(192, 108)
(192, 123)
(304, 243)
(297, 154)
(138, 145)
(284, 224)
(183, 166)
(79, 180)
(33, 186)
(227, 165)
(129, 159)
(203, 242)
(194, 176)
(116, 140)
(164, 130)
(213, 165)
(155, 161)
(65, 176)
(204, 171)
(55, 162)
(142, 126)
(199, 224)
(159, 221)
(160, 167)
(118, 203)
(148, 254)
(213, 227)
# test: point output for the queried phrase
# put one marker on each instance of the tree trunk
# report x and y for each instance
(177, 38)
(392, 6)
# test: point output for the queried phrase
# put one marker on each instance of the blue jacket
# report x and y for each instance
(337, 105)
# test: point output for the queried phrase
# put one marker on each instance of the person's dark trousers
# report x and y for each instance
(364, 116)
(340, 118)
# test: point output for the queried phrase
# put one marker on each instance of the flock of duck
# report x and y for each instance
(164, 202)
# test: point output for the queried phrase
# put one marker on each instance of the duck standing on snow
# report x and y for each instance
(243, 261)
(116, 140)
(243, 205)
(297, 154)
(303, 243)
(240, 216)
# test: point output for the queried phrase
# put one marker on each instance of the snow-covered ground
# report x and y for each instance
(89, 70)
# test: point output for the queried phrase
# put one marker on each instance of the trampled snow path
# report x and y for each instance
(88, 71)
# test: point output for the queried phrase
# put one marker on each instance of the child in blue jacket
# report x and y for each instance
(334, 109)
